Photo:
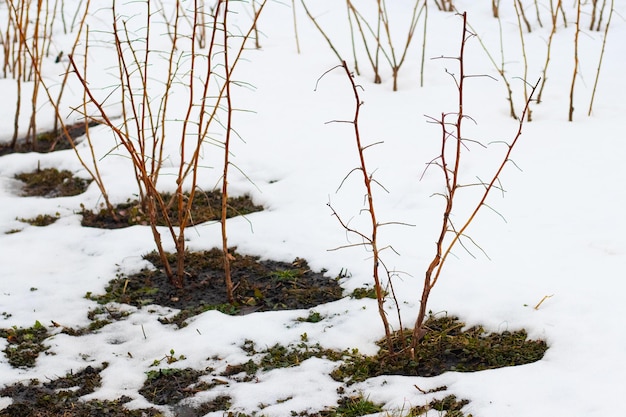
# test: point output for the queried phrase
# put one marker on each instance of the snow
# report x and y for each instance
(564, 234)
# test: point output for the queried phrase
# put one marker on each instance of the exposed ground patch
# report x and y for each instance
(171, 385)
(207, 206)
(446, 347)
(24, 344)
(41, 220)
(45, 142)
(61, 398)
(261, 285)
(50, 183)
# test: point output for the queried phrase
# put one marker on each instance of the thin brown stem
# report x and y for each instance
(595, 83)
(575, 74)
(229, 109)
(451, 171)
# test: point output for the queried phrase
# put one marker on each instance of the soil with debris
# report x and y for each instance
(207, 206)
(260, 285)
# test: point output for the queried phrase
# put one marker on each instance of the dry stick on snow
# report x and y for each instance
(571, 92)
(137, 111)
(141, 112)
(499, 69)
(594, 7)
(595, 83)
(356, 61)
(563, 14)
(544, 78)
(64, 130)
(18, 103)
(360, 19)
(295, 25)
(519, 9)
(451, 171)
(519, 12)
(96, 170)
(602, 14)
(37, 62)
(15, 57)
(257, 45)
(378, 45)
(137, 162)
(184, 203)
(67, 72)
(445, 5)
(495, 8)
(94, 174)
(208, 117)
(394, 62)
(319, 28)
(538, 14)
(423, 58)
(229, 123)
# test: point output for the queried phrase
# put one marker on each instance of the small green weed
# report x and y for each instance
(24, 345)
(355, 407)
(364, 292)
(286, 275)
(169, 359)
(313, 317)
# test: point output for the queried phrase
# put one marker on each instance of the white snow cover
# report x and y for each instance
(564, 235)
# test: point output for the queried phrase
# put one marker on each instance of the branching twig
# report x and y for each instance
(449, 162)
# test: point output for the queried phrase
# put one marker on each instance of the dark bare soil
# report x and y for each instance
(60, 397)
(260, 285)
(46, 142)
(206, 207)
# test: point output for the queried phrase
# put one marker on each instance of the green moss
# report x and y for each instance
(364, 292)
(280, 356)
(446, 347)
